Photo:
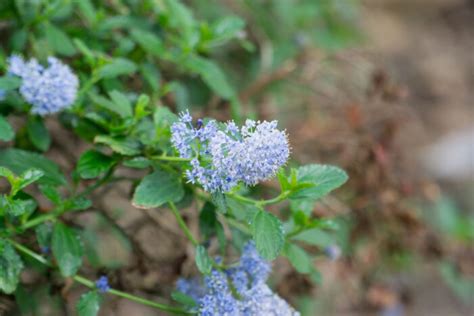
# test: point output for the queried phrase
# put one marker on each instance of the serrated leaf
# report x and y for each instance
(27, 178)
(88, 304)
(38, 133)
(20, 207)
(137, 163)
(6, 130)
(92, 164)
(67, 249)
(298, 258)
(220, 201)
(19, 161)
(241, 210)
(323, 179)
(203, 261)
(268, 234)
(58, 40)
(10, 267)
(9, 83)
(124, 146)
(117, 67)
(158, 188)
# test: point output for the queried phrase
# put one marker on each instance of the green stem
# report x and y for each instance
(39, 220)
(183, 225)
(282, 196)
(90, 284)
(170, 158)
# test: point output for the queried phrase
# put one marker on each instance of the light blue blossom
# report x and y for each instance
(333, 252)
(2, 95)
(238, 291)
(222, 157)
(48, 89)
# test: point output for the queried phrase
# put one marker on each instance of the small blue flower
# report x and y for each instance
(48, 89)
(45, 250)
(102, 284)
(333, 252)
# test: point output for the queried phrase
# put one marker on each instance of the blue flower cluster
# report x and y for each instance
(49, 89)
(238, 291)
(224, 155)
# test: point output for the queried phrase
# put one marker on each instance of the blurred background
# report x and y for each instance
(381, 88)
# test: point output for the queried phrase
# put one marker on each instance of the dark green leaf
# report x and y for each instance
(28, 177)
(268, 234)
(59, 41)
(208, 220)
(92, 164)
(158, 188)
(203, 262)
(67, 249)
(20, 207)
(89, 304)
(19, 161)
(51, 193)
(137, 163)
(10, 267)
(6, 131)
(43, 235)
(38, 133)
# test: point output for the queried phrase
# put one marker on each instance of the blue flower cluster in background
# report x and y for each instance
(224, 155)
(48, 89)
(238, 291)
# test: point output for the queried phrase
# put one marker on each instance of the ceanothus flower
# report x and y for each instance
(48, 89)
(238, 291)
(102, 284)
(223, 156)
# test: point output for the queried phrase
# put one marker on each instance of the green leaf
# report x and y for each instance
(298, 258)
(51, 193)
(268, 234)
(20, 207)
(220, 201)
(117, 67)
(208, 220)
(19, 161)
(67, 249)
(6, 131)
(124, 146)
(28, 177)
(158, 188)
(242, 211)
(137, 163)
(10, 267)
(212, 75)
(203, 261)
(58, 40)
(43, 235)
(89, 304)
(183, 299)
(9, 83)
(148, 41)
(152, 75)
(122, 104)
(226, 29)
(323, 179)
(38, 133)
(87, 10)
(316, 237)
(92, 164)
